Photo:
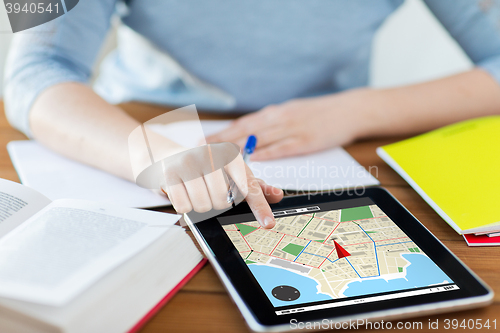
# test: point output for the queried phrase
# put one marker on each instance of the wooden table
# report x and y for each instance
(203, 305)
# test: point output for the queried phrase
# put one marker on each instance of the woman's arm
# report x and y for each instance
(62, 50)
(74, 121)
(71, 119)
(422, 107)
(307, 125)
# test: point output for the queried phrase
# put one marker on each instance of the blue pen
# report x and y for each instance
(247, 151)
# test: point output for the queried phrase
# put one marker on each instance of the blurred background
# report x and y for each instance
(410, 47)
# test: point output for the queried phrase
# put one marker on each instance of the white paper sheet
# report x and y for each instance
(327, 170)
(58, 177)
(70, 244)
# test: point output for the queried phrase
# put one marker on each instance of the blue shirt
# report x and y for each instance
(220, 54)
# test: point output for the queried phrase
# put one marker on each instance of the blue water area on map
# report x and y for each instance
(421, 272)
(271, 277)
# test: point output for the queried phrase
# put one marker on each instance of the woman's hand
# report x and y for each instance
(304, 125)
(196, 179)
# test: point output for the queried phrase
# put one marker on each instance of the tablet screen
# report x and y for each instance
(333, 254)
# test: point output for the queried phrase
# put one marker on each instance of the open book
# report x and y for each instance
(82, 266)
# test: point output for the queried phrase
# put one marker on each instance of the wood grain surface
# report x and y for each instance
(203, 305)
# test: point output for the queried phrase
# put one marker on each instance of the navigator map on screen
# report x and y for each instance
(314, 255)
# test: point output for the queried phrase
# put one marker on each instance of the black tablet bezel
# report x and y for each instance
(241, 278)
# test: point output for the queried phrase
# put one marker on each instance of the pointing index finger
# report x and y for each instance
(258, 203)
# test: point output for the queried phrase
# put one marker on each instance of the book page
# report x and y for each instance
(17, 204)
(70, 244)
(326, 170)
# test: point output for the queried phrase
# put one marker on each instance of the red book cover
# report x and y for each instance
(481, 240)
(165, 299)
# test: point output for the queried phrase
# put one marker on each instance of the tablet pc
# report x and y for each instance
(335, 259)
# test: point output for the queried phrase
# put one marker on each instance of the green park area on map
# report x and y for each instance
(356, 213)
(293, 249)
(245, 229)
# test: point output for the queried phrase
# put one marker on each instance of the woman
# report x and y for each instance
(301, 65)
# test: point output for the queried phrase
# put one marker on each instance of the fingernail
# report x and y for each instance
(268, 222)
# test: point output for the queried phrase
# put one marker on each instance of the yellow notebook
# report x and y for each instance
(456, 169)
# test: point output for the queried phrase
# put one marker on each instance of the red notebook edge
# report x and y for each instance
(167, 298)
(481, 240)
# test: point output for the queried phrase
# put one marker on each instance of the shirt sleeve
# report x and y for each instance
(474, 24)
(62, 50)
